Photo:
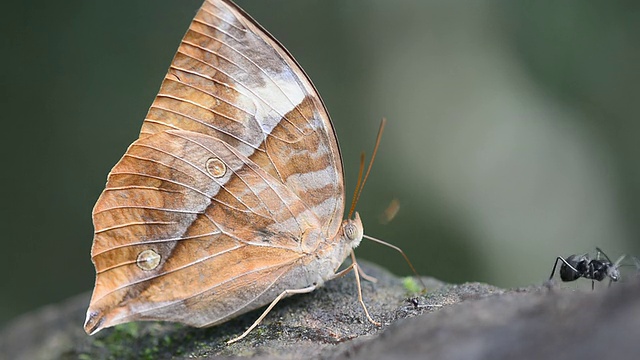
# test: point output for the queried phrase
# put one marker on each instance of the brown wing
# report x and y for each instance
(236, 162)
(220, 224)
(231, 80)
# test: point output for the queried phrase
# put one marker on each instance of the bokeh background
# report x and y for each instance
(512, 137)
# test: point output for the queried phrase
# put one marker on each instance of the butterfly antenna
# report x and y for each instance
(373, 157)
(355, 192)
(358, 192)
(406, 258)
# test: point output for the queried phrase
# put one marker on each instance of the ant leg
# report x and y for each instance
(554, 267)
(556, 264)
(599, 251)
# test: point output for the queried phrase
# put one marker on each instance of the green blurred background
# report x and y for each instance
(512, 137)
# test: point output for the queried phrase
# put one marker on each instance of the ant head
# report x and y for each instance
(613, 272)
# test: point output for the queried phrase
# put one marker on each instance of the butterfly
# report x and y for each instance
(233, 195)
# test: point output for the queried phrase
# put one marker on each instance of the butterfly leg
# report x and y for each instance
(354, 267)
(369, 278)
(273, 303)
(364, 307)
(364, 276)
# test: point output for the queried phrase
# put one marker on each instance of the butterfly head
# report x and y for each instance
(353, 231)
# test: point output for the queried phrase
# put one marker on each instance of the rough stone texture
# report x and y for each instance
(469, 321)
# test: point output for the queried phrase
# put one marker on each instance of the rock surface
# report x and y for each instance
(469, 321)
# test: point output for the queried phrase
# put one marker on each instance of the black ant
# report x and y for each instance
(577, 266)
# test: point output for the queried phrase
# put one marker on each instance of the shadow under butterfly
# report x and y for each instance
(233, 195)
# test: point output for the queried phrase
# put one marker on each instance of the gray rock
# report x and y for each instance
(469, 321)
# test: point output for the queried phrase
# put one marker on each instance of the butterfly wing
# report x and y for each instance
(231, 80)
(236, 163)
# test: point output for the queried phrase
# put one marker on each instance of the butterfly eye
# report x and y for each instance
(216, 167)
(148, 260)
(350, 231)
